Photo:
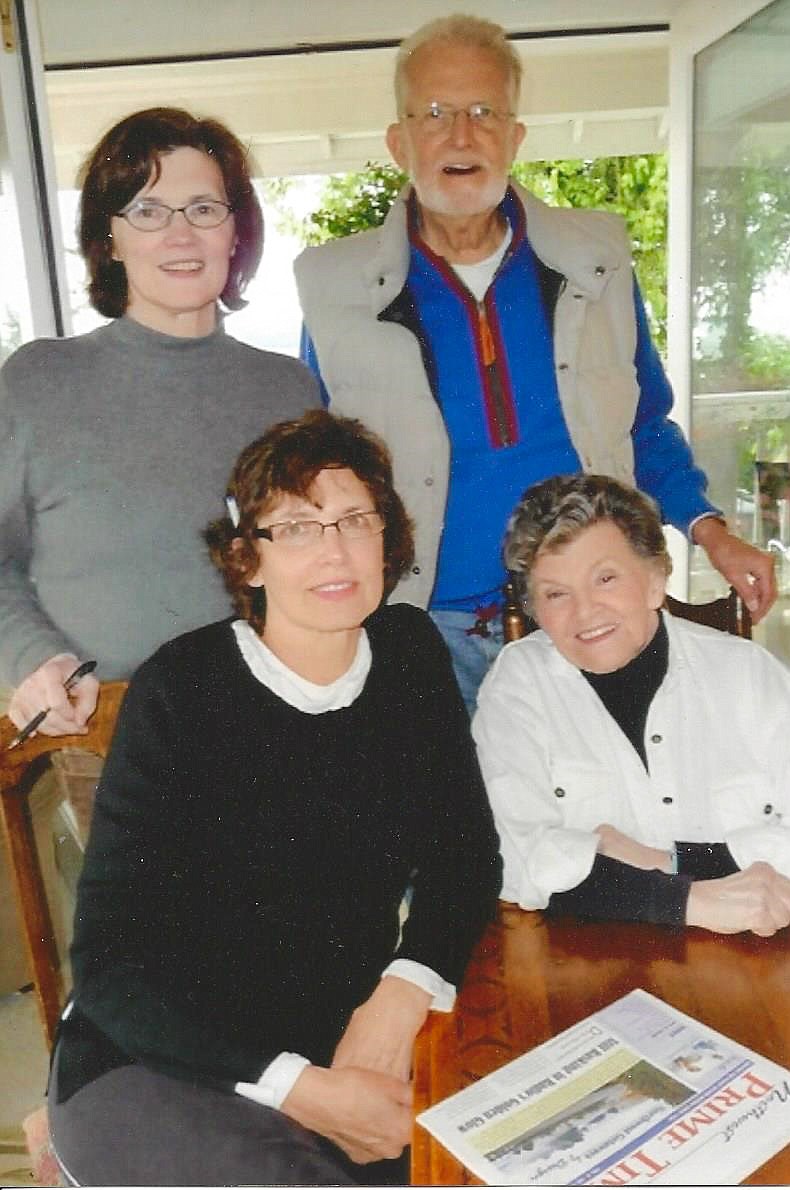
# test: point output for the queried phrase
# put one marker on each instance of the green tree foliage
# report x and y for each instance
(353, 202)
(741, 237)
(634, 187)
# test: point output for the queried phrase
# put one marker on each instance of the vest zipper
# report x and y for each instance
(493, 379)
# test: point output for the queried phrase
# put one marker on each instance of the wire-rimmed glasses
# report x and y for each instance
(439, 118)
(147, 214)
(354, 526)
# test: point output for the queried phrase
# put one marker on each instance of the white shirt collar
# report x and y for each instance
(295, 690)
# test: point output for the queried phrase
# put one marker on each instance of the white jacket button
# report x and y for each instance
(558, 792)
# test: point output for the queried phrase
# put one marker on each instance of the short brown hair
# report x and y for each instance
(286, 461)
(120, 166)
(553, 513)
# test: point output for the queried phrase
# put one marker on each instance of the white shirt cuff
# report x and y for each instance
(443, 993)
(705, 516)
(276, 1081)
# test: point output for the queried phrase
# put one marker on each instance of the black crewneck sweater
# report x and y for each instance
(246, 862)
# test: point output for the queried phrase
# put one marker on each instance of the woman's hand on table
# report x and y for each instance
(756, 899)
(380, 1035)
(366, 1113)
(615, 845)
(68, 711)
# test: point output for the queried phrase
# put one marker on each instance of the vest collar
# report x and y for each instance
(564, 240)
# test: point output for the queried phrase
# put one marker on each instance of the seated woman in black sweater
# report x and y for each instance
(245, 1001)
(637, 765)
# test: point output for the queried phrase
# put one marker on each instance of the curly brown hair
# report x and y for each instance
(123, 162)
(286, 461)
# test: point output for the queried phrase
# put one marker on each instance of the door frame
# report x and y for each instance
(695, 25)
(28, 172)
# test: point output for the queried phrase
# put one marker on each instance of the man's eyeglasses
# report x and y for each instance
(354, 526)
(148, 215)
(439, 118)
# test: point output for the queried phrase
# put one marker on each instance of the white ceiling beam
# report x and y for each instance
(328, 112)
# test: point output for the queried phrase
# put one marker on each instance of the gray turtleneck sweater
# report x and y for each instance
(115, 449)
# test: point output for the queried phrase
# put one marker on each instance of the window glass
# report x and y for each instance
(741, 292)
(15, 313)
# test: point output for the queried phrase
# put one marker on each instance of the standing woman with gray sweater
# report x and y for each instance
(113, 444)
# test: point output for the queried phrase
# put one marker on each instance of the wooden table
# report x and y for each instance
(530, 978)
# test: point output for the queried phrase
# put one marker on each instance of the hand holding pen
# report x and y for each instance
(43, 702)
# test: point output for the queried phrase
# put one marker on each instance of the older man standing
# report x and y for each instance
(494, 341)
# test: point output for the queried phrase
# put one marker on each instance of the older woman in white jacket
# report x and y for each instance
(638, 766)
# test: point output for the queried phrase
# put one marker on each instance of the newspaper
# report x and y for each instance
(636, 1094)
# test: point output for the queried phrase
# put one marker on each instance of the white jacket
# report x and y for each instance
(556, 764)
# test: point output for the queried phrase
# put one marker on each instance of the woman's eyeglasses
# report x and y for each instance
(147, 215)
(354, 526)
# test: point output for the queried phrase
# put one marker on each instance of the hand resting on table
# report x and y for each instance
(756, 899)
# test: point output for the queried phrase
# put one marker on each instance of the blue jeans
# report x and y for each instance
(471, 654)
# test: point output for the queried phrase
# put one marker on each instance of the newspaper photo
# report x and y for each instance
(638, 1093)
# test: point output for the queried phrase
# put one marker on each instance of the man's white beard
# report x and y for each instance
(476, 202)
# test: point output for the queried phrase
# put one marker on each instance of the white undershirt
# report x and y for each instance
(292, 687)
(478, 276)
(280, 1075)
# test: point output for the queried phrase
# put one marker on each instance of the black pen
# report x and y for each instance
(86, 667)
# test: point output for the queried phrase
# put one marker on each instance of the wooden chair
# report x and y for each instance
(729, 613)
(515, 621)
(18, 770)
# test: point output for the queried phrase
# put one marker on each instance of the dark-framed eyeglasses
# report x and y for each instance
(354, 525)
(147, 214)
(438, 118)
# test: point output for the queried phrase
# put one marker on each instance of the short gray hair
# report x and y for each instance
(458, 29)
(553, 513)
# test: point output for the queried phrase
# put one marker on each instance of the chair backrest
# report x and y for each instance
(515, 621)
(729, 613)
(15, 784)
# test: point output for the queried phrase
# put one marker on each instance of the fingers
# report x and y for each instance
(43, 689)
(749, 570)
(84, 697)
(757, 586)
(764, 573)
(366, 1113)
(755, 900)
(773, 891)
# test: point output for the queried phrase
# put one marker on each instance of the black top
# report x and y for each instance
(628, 692)
(247, 861)
(614, 890)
